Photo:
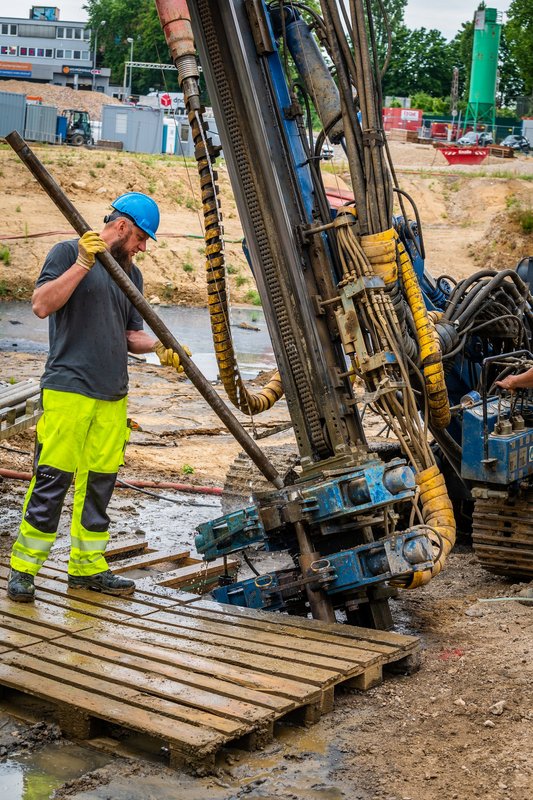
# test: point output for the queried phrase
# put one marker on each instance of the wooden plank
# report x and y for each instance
(38, 631)
(190, 631)
(163, 661)
(345, 631)
(64, 620)
(13, 639)
(279, 639)
(263, 621)
(131, 694)
(148, 560)
(164, 599)
(188, 739)
(315, 675)
(197, 570)
(252, 707)
(70, 604)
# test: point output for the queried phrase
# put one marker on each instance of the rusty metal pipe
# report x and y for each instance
(55, 192)
(176, 23)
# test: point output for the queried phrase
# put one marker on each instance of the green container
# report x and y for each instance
(485, 58)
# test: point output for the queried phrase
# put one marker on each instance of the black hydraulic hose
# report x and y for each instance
(116, 272)
(490, 287)
(461, 288)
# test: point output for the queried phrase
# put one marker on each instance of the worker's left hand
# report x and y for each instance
(169, 357)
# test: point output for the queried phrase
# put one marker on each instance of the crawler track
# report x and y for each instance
(502, 535)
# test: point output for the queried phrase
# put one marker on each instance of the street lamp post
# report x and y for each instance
(130, 40)
(95, 31)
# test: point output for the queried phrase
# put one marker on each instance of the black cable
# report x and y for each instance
(120, 482)
(247, 559)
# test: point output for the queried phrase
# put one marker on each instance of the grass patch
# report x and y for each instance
(252, 297)
(187, 469)
(100, 164)
(231, 270)
(524, 217)
(187, 267)
(5, 255)
(241, 280)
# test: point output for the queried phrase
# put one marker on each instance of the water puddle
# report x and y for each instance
(22, 331)
(37, 775)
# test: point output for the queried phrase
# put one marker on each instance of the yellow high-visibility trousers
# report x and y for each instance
(78, 438)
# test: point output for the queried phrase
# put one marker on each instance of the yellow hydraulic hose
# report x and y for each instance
(428, 342)
(248, 402)
(437, 513)
(384, 252)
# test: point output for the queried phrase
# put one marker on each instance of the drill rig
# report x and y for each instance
(354, 318)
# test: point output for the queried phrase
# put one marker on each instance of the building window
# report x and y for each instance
(68, 53)
(85, 55)
(77, 33)
(23, 51)
(76, 54)
(87, 34)
(60, 54)
(8, 30)
(8, 50)
(48, 53)
(60, 33)
(31, 51)
(40, 52)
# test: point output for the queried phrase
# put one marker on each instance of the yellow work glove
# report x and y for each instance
(168, 357)
(89, 246)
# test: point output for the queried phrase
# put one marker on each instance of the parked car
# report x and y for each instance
(473, 138)
(517, 142)
(327, 152)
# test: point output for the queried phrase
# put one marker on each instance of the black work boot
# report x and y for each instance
(102, 582)
(20, 586)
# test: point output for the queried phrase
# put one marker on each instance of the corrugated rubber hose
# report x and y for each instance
(249, 403)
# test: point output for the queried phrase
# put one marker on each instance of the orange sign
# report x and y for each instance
(15, 66)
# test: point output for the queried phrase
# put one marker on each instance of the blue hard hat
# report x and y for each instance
(142, 210)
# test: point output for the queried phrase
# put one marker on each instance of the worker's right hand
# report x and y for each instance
(89, 246)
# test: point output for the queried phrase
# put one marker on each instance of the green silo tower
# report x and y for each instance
(481, 111)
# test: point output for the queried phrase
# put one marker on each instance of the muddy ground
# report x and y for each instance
(460, 727)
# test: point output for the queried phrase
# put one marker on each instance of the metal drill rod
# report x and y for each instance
(116, 272)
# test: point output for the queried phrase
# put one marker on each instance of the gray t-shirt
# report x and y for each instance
(88, 347)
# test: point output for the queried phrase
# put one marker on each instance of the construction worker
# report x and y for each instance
(83, 430)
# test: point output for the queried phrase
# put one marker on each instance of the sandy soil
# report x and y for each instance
(469, 214)
(459, 728)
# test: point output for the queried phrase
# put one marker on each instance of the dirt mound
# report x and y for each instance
(62, 96)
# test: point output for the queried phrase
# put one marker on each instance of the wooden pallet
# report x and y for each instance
(193, 673)
(186, 572)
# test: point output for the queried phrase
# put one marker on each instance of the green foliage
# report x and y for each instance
(187, 469)
(252, 297)
(5, 255)
(422, 62)
(524, 217)
(231, 270)
(187, 267)
(241, 280)
(519, 35)
(4, 291)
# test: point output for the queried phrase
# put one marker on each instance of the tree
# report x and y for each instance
(395, 10)
(519, 36)
(140, 22)
(422, 61)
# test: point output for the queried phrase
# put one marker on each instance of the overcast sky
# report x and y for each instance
(446, 16)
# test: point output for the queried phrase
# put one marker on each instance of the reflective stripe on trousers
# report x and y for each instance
(78, 438)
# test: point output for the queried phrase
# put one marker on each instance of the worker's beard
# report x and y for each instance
(121, 255)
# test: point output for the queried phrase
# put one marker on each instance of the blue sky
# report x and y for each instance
(446, 16)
